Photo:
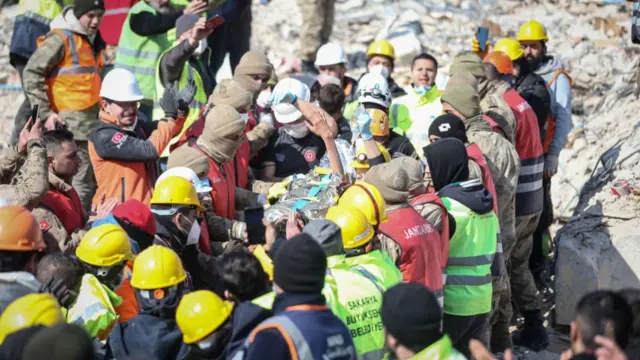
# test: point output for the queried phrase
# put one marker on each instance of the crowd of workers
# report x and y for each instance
(122, 201)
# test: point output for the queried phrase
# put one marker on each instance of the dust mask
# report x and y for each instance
(202, 46)
(263, 98)
(296, 131)
(194, 234)
(380, 69)
(422, 90)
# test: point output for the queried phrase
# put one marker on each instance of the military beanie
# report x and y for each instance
(464, 99)
(391, 180)
(468, 62)
(81, 7)
(252, 63)
(414, 171)
(186, 156)
(230, 92)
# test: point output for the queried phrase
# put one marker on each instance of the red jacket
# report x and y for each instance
(67, 207)
(116, 12)
(474, 153)
(223, 182)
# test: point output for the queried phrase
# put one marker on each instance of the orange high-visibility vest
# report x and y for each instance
(551, 122)
(74, 85)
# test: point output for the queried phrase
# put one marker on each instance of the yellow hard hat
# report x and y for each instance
(379, 122)
(382, 47)
(367, 199)
(105, 245)
(200, 313)
(30, 310)
(362, 161)
(511, 47)
(175, 190)
(157, 267)
(355, 229)
(532, 31)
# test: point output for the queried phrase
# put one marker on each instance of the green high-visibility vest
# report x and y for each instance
(198, 103)
(399, 119)
(468, 288)
(356, 297)
(265, 301)
(380, 265)
(43, 10)
(139, 54)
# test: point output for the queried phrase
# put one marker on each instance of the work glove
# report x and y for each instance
(363, 120)
(475, 47)
(238, 231)
(550, 165)
(282, 98)
(186, 95)
(59, 290)
(169, 103)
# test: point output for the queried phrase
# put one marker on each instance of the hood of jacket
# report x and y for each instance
(477, 123)
(67, 20)
(144, 334)
(246, 317)
(15, 284)
(549, 65)
(470, 193)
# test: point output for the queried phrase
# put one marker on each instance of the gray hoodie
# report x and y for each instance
(560, 92)
(14, 285)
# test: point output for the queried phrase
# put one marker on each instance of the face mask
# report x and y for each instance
(245, 118)
(380, 69)
(194, 234)
(202, 46)
(263, 98)
(205, 183)
(297, 131)
(422, 90)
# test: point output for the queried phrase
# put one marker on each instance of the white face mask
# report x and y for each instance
(263, 98)
(421, 90)
(380, 69)
(202, 46)
(297, 131)
(194, 234)
(245, 118)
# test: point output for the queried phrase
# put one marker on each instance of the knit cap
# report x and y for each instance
(185, 23)
(61, 341)
(391, 180)
(468, 62)
(462, 79)
(327, 234)
(81, 7)
(186, 156)
(252, 63)
(222, 134)
(230, 92)
(464, 99)
(449, 125)
(415, 172)
(410, 313)
(300, 265)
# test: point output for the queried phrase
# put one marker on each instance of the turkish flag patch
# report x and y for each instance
(117, 138)
(44, 225)
(310, 155)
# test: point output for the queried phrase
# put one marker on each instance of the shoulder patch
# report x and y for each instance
(117, 138)
(44, 225)
(310, 155)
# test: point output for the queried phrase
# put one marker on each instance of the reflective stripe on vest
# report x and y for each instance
(475, 154)
(468, 288)
(93, 308)
(198, 103)
(74, 85)
(529, 192)
(551, 122)
(223, 185)
(139, 54)
(379, 264)
(292, 335)
(67, 208)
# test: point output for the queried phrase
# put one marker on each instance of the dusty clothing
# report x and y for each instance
(45, 60)
(128, 156)
(317, 24)
(24, 179)
(85, 180)
(493, 101)
(475, 171)
(54, 230)
(259, 136)
(523, 288)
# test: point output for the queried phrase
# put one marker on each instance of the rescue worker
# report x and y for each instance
(123, 150)
(331, 59)
(177, 210)
(529, 200)
(104, 251)
(147, 32)
(317, 24)
(205, 322)
(64, 81)
(136, 219)
(331, 100)
(412, 331)
(533, 39)
(253, 73)
(413, 244)
(159, 282)
(361, 162)
(473, 228)
(422, 99)
(30, 310)
(346, 286)
(31, 21)
(299, 276)
(181, 65)
(20, 245)
(374, 96)
(380, 60)
(60, 214)
(23, 168)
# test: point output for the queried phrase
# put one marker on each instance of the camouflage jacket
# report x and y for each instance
(24, 179)
(493, 103)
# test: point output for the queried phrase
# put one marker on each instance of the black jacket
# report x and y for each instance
(246, 316)
(533, 89)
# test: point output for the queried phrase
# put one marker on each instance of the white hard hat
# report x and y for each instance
(373, 88)
(330, 54)
(188, 174)
(287, 113)
(120, 85)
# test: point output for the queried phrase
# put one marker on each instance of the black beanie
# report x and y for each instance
(449, 125)
(15, 344)
(61, 341)
(300, 265)
(81, 7)
(448, 162)
(410, 313)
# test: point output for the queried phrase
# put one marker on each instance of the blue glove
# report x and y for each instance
(282, 97)
(363, 120)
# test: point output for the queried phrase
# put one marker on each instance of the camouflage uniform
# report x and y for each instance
(494, 102)
(317, 23)
(27, 177)
(56, 235)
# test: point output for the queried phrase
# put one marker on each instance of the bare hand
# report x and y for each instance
(53, 121)
(196, 7)
(294, 225)
(28, 133)
(200, 31)
(567, 355)
(480, 352)
(105, 208)
(319, 124)
(608, 349)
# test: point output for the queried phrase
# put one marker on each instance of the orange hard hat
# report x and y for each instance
(501, 61)
(19, 230)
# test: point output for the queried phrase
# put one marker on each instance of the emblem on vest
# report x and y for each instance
(310, 156)
(418, 230)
